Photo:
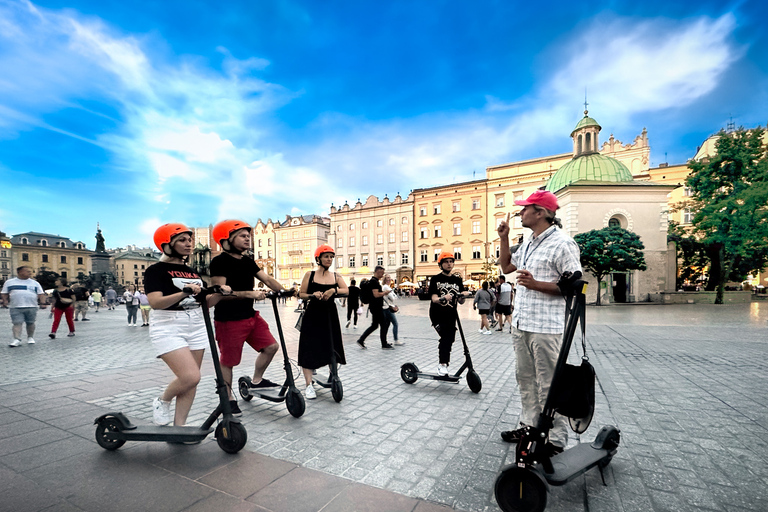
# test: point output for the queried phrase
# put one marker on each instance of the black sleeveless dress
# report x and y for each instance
(320, 330)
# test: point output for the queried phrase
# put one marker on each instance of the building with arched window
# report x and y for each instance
(54, 253)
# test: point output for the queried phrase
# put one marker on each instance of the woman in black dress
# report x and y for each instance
(320, 328)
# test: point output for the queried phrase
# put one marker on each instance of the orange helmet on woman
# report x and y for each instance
(222, 232)
(444, 255)
(165, 233)
(323, 249)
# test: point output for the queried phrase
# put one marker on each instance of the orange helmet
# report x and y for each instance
(224, 229)
(165, 234)
(323, 248)
(444, 255)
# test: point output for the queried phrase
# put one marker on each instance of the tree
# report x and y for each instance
(608, 250)
(47, 279)
(730, 206)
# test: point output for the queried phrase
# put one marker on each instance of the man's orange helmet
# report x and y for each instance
(444, 255)
(165, 233)
(224, 230)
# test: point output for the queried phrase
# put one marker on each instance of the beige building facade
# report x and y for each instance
(263, 239)
(296, 239)
(54, 253)
(128, 266)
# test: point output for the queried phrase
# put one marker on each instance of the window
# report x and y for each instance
(456, 229)
(45, 258)
(25, 241)
(295, 246)
(283, 274)
(613, 222)
(365, 239)
(340, 242)
(475, 252)
(269, 254)
(339, 227)
(379, 223)
(687, 217)
(365, 260)
(499, 200)
(437, 253)
(475, 204)
(422, 212)
(379, 239)
(688, 192)
(339, 261)
(295, 273)
(284, 247)
(24, 256)
(457, 253)
(423, 256)
(306, 246)
(269, 242)
(438, 231)
(404, 259)
(79, 260)
(63, 245)
(392, 222)
(365, 225)
(285, 236)
(285, 260)
(259, 256)
(295, 234)
(63, 259)
(380, 260)
(307, 233)
(392, 260)
(497, 251)
(405, 220)
(63, 273)
(44, 243)
(352, 262)
(3, 254)
(295, 260)
(259, 242)
(475, 227)
(404, 236)
(135, 266)
(456, 206)
(436, 209)
(351, 241)
(351, 226)
(424, 233)
(391, 238)
(79, 246)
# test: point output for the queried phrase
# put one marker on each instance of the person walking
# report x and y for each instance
(320, 335)
(503, 308)
(111, 296)
(539, 315)
(177, 328)
(64, 304)
(353, 303)
(144, 307)
(96, 296)
(81, 301)
(25, 296)
(376, 307)
(131, 304)
(482, 303)
(446, 291)
(390, 308)
(236, 320)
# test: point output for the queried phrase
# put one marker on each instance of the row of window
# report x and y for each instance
(456, 205)
(62, 259)
(392, 260)
(294, 234)
(44, 243)
(364, 224)
(477, 251)
(392, 237)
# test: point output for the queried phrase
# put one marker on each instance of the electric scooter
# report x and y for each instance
(410, 373)
(522, 486)
(114, 428)
(288, 392)
(333, 382)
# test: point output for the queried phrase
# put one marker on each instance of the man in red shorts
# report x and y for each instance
(235, 319)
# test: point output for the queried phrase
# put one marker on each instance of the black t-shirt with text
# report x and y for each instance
(170, 278)
(240, 274)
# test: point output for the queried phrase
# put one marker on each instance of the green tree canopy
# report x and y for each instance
(730, 205)
(611, 249)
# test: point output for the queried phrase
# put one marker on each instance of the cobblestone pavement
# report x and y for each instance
(686, 384)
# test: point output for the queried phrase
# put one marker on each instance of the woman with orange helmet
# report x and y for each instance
(320, 328)
(176, 329)
(445, 289)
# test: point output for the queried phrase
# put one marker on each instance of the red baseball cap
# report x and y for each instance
(541, 198)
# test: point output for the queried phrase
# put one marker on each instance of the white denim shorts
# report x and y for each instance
(172, 330)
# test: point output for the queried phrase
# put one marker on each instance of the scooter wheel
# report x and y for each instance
(243, 385)
(521, 490)
(237, 437)
(294, 401)
(337, 390)
(108, 425)
(474, 382)
(409, 373)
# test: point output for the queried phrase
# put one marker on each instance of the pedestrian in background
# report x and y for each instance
(482, 303)
(131, 304)
(111, 296)
(376, 307)
(64, 304)
(144, 307)
(390, 307)
(81, 301)
(25, 296)
(503, 308)
(96, 296)
(353, 303)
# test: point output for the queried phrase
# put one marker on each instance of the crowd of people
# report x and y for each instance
(532, 308)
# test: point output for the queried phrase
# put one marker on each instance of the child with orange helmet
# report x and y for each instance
(445, 289)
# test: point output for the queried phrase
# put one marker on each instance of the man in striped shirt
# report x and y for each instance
(539, 315)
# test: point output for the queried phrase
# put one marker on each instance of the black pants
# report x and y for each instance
(445, 325)
(378, 321)
(351, 311)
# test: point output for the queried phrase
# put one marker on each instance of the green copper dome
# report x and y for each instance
(592, 167)
(585, 121)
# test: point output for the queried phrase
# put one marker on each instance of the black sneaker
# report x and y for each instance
(235, 408)
(513, 436)
(52, 336)
(388, 346)
(361, 343)
(264, 383)
(86, 319)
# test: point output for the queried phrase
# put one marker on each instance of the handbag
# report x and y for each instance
(394, 309)
(300, 319)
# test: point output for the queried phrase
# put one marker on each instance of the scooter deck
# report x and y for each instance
(324, 383)
(159, 433)
(272, 394)
(445, 378)
(575, 461)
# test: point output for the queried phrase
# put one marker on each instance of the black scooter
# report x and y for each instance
(522, 486)
(410, 373)
(288, 392)
(333, 382)
(114, 428)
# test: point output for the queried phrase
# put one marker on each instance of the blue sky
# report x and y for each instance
(132, 114)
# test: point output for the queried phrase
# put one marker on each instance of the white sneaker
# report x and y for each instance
(399, 343)
(481, 331)
(161, 412)
(487, 332)
(14, 343)
(310, 393)
(30, 341)
(442, 370)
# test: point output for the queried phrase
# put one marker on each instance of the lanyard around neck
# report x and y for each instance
(530, 248)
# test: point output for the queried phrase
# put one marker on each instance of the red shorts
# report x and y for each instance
(232, 335)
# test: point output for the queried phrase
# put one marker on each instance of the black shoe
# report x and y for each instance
(86, 319)
(388, 346)
(52, 336)
(263, 383)
(75, 319)
(499, 329)
(361, 343)
(513, 436)
(235, 408)
(553, 449)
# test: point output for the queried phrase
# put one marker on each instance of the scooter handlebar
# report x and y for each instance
(282, 293)
(204, 292)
